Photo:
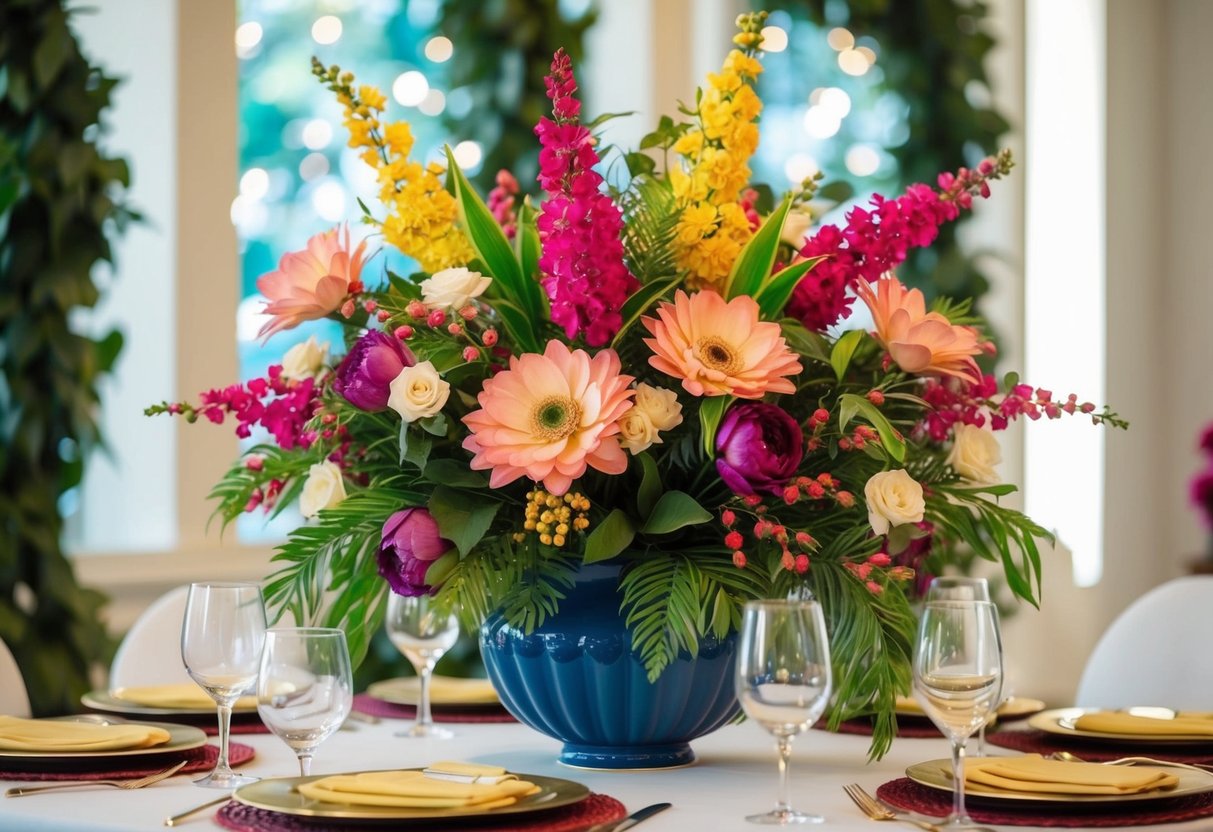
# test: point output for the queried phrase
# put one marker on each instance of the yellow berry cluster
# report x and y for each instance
(552, 517)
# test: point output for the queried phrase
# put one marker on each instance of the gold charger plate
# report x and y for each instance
(181, 738)
(444, 691)
(1016, 707)
(937, 774)
(1059, 721)
(280, 795)
(104, 700)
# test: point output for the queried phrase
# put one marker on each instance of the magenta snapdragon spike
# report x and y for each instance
(581, 261)
(955, 401)
(501, 202)
(877, 240)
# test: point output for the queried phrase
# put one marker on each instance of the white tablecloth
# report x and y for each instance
(735, 775)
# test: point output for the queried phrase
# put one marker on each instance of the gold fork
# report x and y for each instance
(137, 783)
(876, 810)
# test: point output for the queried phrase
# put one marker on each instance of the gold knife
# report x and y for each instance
(189, 813)
(631, 820)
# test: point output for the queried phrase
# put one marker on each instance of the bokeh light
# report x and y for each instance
(410, 88)
(439, 49)
(326, 29)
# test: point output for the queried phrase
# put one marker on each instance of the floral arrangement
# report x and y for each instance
(1201, 486)
(658, 374)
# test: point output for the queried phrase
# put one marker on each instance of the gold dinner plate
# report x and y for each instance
(280, 794)
(1016, 707)
(181, 738)
(103, 700)
(1060, 721)
(937, 774)
(444, 691)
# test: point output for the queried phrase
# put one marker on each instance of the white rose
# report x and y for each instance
(306, 360)
(660, 405)
(636, 430)
(325, 488)
(975, 453)
(795, 227)
(453, 288)
(418, 392)
(894, 498)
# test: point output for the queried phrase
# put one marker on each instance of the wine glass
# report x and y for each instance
(305, 688)
(783, 682)
(423, 631)
(958, 679)
(957, 588)
(221, 638)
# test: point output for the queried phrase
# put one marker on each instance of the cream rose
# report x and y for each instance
(975, 454)
(660, 405)
(418, 392)
(795, 227)
(306, 360)
(636, 430)
(453, 288)
(325, 488)
(894, 498)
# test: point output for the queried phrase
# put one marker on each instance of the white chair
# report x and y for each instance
(1156, 652)
(150, 653)
(14, 701)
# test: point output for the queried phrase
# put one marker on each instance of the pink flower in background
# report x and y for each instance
(549, 417)
(919, 341)
(581, 262)
(501, 202)
(311, 283)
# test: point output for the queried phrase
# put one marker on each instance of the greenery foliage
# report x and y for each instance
(59, 196)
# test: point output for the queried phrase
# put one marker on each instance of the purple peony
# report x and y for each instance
(758, 448)
(366, 373)
(411, 543)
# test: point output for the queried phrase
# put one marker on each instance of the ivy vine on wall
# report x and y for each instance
(59, 196)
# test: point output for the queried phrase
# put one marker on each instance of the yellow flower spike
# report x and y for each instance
(563, 528)
(545, 539)
(558, 540)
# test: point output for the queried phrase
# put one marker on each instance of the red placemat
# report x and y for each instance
(200, 759)
(1034, 741)
(916, 730)
(367, 704)
(905, 794)
(597, 808)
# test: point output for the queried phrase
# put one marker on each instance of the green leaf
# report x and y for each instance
(519, 327)
(711, 411)
(753, 265)
(650, 486)
(462, 518)
(640, 301)
(454, 473)
(526, 242)
(673, 511)
(415, 450)
(774, 294)
(851, 405)
(639, 164)
(603, 118)
(435, 424)
(838, 190)
(844, 348)
(612, 536)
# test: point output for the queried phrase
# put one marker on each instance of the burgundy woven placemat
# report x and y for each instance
(597, 808)
(915, 729)
(200, 759)
(1035, 741)
(905, 794)
(367, 704)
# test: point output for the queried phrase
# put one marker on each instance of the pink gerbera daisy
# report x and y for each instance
(720, 348)
(550, 416)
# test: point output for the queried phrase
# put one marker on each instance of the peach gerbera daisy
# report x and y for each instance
(720, 348)
(549, 417)
(917, 340)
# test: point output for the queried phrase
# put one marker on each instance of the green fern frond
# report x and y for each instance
(650, 215)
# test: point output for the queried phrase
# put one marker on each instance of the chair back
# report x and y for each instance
(14, 701)
(150, 653)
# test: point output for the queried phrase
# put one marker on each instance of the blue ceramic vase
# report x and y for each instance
(576, 679)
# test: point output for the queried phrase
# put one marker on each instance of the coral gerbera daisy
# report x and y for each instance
(550, 416)
(720, 348)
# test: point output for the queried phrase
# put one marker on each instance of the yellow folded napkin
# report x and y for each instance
(1034, 774)
(1116, 722)
(416, 790)
(47, 735)
(468, 772)
(444, 690)
(908, 705)
(182, 695)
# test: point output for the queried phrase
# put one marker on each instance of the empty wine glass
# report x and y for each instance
(957, 588)
(783, 682)
(423, 631)
(221, 638)
(958, 679)
(305, 688)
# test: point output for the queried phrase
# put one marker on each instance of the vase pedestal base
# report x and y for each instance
(615, 757)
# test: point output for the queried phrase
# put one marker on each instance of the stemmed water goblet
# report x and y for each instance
(222, 634)
(305, 688)
(423, 631)
(958, 679)
(960, 588)
(783, 682)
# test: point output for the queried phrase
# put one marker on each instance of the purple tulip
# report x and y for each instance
(758, 448)
(411, 543)
(366, 373)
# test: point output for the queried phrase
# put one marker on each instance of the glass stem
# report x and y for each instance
(225, 727)
(305, 763)
(423, 707)
(981, 740)
(958, 777)
(784, 804)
